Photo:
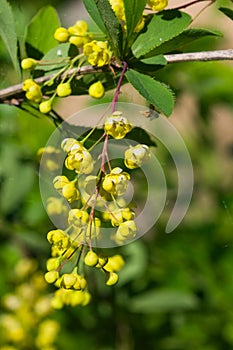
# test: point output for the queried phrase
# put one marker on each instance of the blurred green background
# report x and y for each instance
(176, 290)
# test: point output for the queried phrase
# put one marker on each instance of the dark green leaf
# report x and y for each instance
(41, 30)
(166, 300)
(228, 12)
(133, 13)
(95, 15)
(8, 32)
(152, 90)
(181, 40)
(112, 25)
(164, 26)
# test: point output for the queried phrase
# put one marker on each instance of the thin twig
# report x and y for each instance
(11, 94)
(219, 55)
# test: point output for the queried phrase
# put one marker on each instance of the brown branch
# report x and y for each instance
(12, 94)
(219, 55)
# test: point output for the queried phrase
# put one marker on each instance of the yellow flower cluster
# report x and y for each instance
(91, 203)
(33, 90)
(77, 34)
(26, 312)
(98, 53)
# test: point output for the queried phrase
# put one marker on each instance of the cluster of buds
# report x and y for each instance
(27, 310)
(91, 203)
(77, 34)
(96, 53)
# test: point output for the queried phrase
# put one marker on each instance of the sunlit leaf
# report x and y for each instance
(164, 26)
(41, 30)
(153, 91)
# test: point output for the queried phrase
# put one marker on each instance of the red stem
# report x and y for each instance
(115, 99)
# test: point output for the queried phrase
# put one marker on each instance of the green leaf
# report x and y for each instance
(95, 14)
(112, 25)
(133, 13)
(8, 32)
(41, 30)
(228, 12)
(165, 300)
(185, 38)
(155, 60)
(164, 26)
(152, 90)
(56, 54)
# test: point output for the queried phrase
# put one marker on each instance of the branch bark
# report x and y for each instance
(11, 94)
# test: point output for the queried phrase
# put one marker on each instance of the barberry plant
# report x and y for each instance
(131, 46)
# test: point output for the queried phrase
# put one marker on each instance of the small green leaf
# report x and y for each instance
(165, 300)
(164, 26)
(8, 32)
(185, 38)
(133, 13)
(228, 12)
(112, 25)
(41, 30)
(153, 91)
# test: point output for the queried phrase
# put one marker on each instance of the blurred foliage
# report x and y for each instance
(176, 290)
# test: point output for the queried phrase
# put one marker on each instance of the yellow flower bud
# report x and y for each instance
(68, 280)
(111, 278)
(96, 90)
(91, 259)
(45, 106)
(64, 89)
(115, 263)
(51, 276)
(52, 264)
(28, 63)
(62, 35)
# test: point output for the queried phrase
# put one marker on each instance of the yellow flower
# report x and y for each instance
(98, 53)
(157, 5)
(117, 126)
(116, 182)
(136, 156)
